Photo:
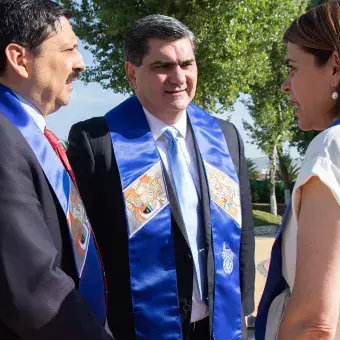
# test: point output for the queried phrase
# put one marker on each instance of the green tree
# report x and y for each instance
(287, 172)
(253, 173)
(236, 43)
(316, 2)
(232, 40)
(301, 139)
(273, 117)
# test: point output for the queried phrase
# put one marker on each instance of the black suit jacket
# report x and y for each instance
(93, 160)
(38, 295)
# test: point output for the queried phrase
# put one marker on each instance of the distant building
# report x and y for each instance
(262, 165)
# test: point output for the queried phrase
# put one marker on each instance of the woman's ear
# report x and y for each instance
(335, 60)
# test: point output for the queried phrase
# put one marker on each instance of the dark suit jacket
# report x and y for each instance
(93, 160)
(38, 295)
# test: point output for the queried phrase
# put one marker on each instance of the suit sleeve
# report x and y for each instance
(247, 253)
(38, 300)
(81, 157)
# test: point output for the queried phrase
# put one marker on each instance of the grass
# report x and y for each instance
(263, 218)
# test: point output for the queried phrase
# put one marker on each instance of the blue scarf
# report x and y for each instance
(86, 259)
(151, 245)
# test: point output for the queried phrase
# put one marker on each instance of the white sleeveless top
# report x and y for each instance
(322, 159)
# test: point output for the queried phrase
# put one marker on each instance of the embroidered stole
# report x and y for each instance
(151, 244)
(86, 258)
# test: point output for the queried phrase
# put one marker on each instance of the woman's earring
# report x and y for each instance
(335, 95)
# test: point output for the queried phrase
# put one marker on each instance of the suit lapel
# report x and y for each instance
(174, 206)
(205, 197)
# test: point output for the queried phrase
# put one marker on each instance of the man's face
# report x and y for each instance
(52, 71)
(166, 81)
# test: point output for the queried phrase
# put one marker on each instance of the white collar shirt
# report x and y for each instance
(199, 309)
(33, 112)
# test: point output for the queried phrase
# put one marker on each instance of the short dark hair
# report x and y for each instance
(28, 23)
(153, 26)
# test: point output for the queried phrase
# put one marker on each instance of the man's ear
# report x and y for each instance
(17, 59)
(335, 60)
(130, 71)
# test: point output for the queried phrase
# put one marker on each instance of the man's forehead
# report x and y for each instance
(178, 50)
(63, 33)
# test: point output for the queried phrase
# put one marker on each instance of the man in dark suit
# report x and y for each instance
(51, 279)
(167, 192)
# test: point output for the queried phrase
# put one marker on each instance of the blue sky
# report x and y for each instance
(92, 100)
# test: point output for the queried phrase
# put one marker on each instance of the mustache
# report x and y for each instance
(73, 76)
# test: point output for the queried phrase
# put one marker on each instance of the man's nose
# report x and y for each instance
(79, 63)
(178, 76)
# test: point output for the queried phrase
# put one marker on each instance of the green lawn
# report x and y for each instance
(263, 218)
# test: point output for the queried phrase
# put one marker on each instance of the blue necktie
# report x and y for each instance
(189, 204)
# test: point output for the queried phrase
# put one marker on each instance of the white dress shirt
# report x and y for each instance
(33, 112)
(199, 308)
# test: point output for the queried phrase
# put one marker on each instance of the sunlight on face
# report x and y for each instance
(52, 71)
(166, 81)
(309, 87)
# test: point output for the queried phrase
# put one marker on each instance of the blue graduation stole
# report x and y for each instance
(275, 283)
(151, 245)
(86, 258)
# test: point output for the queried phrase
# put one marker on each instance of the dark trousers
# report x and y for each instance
(200, 330)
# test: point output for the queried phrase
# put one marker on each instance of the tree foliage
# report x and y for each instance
(301, 139)
(253, 173)
(233, 37)
(287, 169)
(273, 117)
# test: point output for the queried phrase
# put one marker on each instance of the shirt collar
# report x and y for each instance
(157, 126)
(34, 113)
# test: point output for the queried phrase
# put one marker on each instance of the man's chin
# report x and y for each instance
(179, 104)
(62, 102)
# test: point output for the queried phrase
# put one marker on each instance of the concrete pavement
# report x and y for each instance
(264, 240)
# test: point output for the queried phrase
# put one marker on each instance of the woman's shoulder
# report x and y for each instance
(322, 160)
(325, 145)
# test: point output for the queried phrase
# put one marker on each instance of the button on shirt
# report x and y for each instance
(185, 138)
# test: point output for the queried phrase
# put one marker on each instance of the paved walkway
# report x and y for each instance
(263, 245)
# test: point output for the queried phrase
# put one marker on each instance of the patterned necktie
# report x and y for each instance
(189, 204)
(60, 151)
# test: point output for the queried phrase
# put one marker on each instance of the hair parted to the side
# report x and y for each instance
(28, 23)
(317, 31)
(153, 26)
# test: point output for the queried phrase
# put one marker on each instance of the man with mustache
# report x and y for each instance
(51, 277)
(167, 192)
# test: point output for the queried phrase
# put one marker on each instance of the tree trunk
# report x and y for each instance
(286, 184)
(284, 175)
(272, 173)
(287, 195)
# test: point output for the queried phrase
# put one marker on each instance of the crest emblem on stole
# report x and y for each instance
(225, 192)
(80, 228)
(228, 259)
(144, 198)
